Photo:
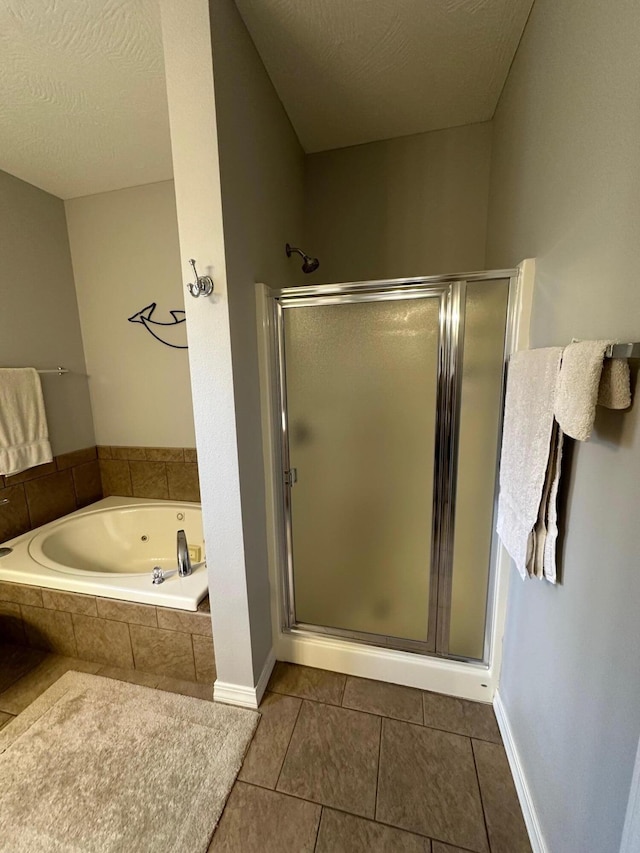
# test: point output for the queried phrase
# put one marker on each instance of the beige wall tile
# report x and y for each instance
(14, 516)
(164, 454)
(32, 473)
(183, 481)
(116, 478)
(69, 601)
(87, 483)
(103, 641)
(164, 652)
(49, 629)
(128, 453)
(50, 497)
(204, 658)
(149, 480)
(104, 452)
(190, 454)
(76, 457)
(126, 611)
(184, 620)
(21, 594)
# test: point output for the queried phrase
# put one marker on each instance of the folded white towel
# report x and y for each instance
(24, 438)
(579, 385)
(526, 452)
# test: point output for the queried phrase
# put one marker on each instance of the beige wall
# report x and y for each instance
(39, 324)
(565, 188)
(124, 247)
(416, 205)
(261, 171)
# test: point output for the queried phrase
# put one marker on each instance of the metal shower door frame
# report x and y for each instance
(451, 292)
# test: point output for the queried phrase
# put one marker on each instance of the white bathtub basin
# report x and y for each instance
(110, 549)
(124, 540)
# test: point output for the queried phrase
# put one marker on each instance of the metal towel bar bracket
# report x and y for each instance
(623, 351)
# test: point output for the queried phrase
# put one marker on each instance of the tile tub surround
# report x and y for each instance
(155, 640)
(150, 472)
(46, 492)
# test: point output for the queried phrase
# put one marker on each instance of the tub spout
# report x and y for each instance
(184, 562)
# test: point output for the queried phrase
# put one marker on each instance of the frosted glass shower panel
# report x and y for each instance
(361, 394)
(479, 429)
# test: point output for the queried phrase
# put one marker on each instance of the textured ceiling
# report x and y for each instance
(82, 94)
(353, 71)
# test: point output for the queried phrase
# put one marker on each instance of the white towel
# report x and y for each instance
(24, 438)
(526, 452)
(579, 387)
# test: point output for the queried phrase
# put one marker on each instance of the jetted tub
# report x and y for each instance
(110, 549)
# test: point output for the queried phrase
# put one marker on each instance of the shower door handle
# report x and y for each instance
(291, 477)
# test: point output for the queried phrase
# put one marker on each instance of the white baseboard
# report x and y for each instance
(529, 813)
(239, 694)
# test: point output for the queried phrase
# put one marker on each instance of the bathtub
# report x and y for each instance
(110, 549)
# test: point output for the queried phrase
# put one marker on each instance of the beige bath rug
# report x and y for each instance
(99, 765)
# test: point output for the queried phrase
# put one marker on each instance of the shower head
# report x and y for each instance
(308, 264)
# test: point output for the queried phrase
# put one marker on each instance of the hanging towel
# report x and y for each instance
(526, 452)
(24, 438)
(551, 509)
(579, 387)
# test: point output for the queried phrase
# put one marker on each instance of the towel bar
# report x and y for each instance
(623, 351)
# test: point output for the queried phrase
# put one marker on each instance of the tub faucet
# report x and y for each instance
(184, 562)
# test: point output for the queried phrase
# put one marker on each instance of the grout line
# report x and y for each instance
(344, 690)
(344, 811)
(484, 815)
(382, 716)
(286, 752)
(315, 846)
(375, 802)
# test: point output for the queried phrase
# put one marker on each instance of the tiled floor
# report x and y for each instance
(341, 765)
(346, 765)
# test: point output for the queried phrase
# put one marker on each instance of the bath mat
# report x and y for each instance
(97, 765)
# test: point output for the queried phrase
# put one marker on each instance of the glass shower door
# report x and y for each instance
(361, 374)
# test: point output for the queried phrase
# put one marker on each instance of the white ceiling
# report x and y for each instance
(82, 91)
(82, 94)
(353, 71)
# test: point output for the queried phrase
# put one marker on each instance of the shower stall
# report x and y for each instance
(386, 416)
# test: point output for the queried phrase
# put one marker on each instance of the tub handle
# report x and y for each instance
(158, 575)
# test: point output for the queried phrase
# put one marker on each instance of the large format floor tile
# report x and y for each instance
(388, 700)
(263, 761)
(259, 821)
(333, 758)
(16, 698)
(505, 824)
(345, 833)
(307, 683)
(16, 661)
(473, 719)
(427, 784)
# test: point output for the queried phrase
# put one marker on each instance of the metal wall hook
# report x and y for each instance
(202, 285)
